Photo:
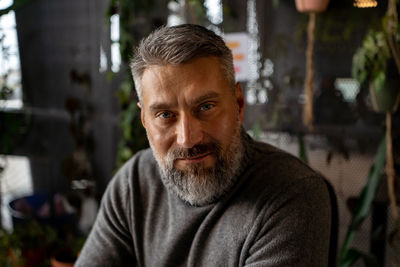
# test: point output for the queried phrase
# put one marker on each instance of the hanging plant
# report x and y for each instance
(377, 62)
(312, 7)
(373, 63)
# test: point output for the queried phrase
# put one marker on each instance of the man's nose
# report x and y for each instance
(189, 131)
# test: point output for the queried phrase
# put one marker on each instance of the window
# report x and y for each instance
(10, 74)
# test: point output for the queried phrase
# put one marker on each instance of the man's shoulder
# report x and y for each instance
(272, 160)
(274, 177)
(272, 170)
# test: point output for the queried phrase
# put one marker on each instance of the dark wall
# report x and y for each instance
(68, 104)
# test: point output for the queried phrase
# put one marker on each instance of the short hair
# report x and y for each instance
(178, 45)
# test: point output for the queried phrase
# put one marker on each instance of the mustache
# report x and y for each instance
(212, 147)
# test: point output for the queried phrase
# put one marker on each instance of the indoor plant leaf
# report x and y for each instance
(355, 254)
(365, 200)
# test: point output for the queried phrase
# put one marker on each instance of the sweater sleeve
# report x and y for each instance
(294, 227)
(110, 242)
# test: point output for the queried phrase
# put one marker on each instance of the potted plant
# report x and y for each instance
(27, 245)
(377, 63)
(373, 63)
(36, 244)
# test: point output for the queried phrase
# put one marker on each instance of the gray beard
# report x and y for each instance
(202, 186)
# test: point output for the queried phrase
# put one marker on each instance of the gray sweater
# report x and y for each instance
(277, 214)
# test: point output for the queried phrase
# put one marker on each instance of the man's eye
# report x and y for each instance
(206, 107)
(165, 115)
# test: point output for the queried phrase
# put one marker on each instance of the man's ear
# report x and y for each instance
(240, 100)
(141, 114)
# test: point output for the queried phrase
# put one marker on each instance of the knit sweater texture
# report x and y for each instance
(277, 214)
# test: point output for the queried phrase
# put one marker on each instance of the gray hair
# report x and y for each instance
(178, 45)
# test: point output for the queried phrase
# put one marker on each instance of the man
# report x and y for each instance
(205, 194)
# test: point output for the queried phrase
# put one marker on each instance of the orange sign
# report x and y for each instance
(238, 43)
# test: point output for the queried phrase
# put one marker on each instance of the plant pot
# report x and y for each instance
(23, 209)
(311, 5)
(385, 97)
(57, 263)
(39, 207)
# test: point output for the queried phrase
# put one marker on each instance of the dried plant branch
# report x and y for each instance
(308, 112)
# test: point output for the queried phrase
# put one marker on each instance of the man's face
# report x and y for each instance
(192, 118)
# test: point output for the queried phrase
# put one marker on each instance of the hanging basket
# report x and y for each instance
(385, 98)
(310, 6)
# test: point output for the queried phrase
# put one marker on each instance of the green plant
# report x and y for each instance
(33, 243)
(370, 62)
(348, 255)
(302, 148)
(133, 136)
(379, 55)
(377, 62)
(27, 243)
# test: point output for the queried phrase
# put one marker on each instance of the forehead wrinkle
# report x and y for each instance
(171, 91)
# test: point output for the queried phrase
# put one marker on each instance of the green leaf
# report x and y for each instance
(372, 57)
(379, 81)
(369, 190)
(257, 130)
(275, 3)
(128, 116)
(355, 254)
(302, 149)
(365, 200)
(109, 76)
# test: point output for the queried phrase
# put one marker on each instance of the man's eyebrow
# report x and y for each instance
(205, 97)
(160, 106)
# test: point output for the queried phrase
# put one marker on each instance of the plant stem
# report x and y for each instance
(390, 167)
(308, 112)
(392, 31)
(390, 172)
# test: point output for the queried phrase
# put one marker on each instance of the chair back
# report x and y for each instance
(333, 242)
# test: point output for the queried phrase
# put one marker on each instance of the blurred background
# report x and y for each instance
(68, 115)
